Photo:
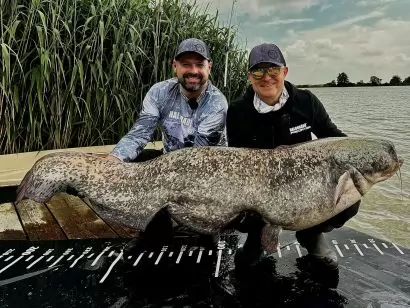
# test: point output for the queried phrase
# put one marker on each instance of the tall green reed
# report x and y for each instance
(74, 73)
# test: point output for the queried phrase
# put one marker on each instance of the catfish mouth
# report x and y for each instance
(400, 161)
(389, 172)
(394, 168)
(377, 177)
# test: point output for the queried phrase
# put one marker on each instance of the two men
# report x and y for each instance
(192, 112)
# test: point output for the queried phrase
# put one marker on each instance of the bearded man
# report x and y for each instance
(188, 108)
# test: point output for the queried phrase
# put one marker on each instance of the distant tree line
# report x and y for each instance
(342, 80)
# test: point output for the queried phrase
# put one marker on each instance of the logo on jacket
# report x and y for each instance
(177, 116)
(299, 128)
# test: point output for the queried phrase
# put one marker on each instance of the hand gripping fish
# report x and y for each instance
(205, 188)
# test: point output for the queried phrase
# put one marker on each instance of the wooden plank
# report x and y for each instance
(121, 230)
(38, 222)
(10, 226)
(76, 219)
(13, 167)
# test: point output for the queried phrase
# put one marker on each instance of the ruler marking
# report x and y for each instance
(29, 258)
(199, 256)
(398, 249)
(11, 264)
(100, 255)
(32, 264)
(298, 249)
(179, 256)
(358, 249)
(378, 249)
(339, 251)
(279, 251)
(76, 260)
(112, 266)
(138, 259)
(218, 263)
(159, 257)
(56, 261)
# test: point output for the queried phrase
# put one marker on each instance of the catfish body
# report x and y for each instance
(205, 188)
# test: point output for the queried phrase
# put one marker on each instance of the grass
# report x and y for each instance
(74, 73)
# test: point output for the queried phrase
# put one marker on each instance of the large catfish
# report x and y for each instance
(205, 188)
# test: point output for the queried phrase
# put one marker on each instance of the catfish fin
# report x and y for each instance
(196, 221)
(348, 190)
(270, 238)
(341, 187)
(109, 213)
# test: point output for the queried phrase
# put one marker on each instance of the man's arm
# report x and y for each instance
(322, 124)
(131, 145)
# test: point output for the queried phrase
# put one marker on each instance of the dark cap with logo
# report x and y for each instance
(266, 53)
(193, 45)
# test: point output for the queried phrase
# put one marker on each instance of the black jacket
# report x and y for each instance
(302, 115)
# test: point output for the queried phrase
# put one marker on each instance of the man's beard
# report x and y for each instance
(188, 87)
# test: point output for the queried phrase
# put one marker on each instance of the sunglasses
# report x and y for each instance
(258, 73)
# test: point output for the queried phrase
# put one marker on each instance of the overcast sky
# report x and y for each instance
(321, 38)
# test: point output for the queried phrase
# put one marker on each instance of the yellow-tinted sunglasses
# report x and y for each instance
(258, 73)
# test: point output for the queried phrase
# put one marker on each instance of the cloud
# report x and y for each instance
(296, 50)
(360, 18)
(324, 7)
(321, 50)
(371, 53)
(289, 21)
(321, 38)
(299, 5)
(360, 51)
(256, 9)
(365, 3)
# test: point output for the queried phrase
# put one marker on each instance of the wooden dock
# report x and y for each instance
(64, 216)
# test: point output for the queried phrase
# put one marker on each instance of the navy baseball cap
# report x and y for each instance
(193, 45)
(269, 53)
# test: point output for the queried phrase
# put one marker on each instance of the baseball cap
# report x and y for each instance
(269, 53)
(193, 45)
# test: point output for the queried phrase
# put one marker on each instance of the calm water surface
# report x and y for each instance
(378, 112)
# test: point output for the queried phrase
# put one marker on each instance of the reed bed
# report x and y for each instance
(74, 73)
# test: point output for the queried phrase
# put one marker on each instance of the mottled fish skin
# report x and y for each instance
(205, 188)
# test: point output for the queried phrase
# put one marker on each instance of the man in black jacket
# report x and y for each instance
(273, 112)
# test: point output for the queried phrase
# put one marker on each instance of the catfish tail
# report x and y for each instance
(24, 184)
(40, 183)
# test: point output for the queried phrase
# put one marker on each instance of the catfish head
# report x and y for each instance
(366, 161)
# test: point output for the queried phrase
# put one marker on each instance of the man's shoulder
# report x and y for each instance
(214, 90)
(303, 96)
(165, 84)
(292, 89)
(216, 95)
(163, 89)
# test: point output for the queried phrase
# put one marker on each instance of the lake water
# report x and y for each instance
(377, 112)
